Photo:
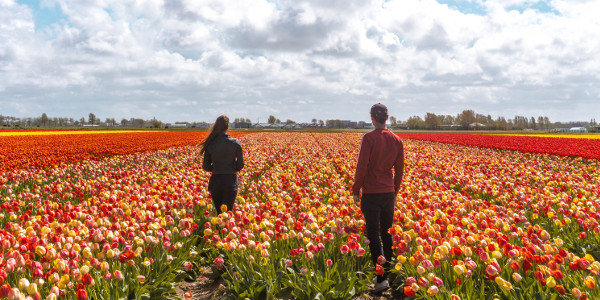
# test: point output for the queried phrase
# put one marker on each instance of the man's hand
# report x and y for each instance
(355, 198)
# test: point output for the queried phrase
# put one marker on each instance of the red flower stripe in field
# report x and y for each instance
(586, 148)
(19, 152)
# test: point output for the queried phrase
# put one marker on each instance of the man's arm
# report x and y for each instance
(399, 169)
(361, 167)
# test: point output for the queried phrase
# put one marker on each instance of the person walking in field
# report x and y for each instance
(380, 152)
(224, 158)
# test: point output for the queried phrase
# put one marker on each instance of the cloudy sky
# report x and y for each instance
(192, 60)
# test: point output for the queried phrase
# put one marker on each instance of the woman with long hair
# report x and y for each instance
(224, 158)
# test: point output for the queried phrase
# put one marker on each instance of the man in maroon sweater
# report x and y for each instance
(380, 152)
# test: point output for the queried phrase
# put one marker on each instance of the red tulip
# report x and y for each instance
(87, 279)
(82, 294)
(344, 249)
(379, 270)
(4, 290)
(408, 291)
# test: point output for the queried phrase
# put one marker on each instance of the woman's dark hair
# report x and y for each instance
(221, 125)
(379, 113)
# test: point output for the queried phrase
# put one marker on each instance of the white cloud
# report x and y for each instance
(194, 60)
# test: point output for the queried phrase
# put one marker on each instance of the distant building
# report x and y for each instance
(176, 125)
(577, 129)
(401, 126)
(290, 126)
(242, 125)
(268, 125)
(477, 125)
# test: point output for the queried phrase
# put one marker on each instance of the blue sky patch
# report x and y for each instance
(465, 7)
(43, 15)
(473, 7)
(540, 6)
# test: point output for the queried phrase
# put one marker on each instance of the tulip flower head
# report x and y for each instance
(344, 249)
(219, 262)
(187, 266)
(517, 277)
(589, 282)
(379, 270)
(118, 275)
(329, 262)
(82, 294)
(432, 290)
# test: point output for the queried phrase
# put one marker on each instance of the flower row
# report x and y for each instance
(575, 147)
(20, 152)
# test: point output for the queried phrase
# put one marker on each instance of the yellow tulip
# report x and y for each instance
(401, 259)
(87, 252)
(84, 270)
(589, 258)
(32, 289)
(104, 266)
(23, 284)
(551, 282)
(459, 269)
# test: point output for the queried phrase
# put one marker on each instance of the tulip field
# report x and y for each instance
(127, 215)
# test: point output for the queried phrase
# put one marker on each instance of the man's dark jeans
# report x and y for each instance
(223, 190)
(378, 210)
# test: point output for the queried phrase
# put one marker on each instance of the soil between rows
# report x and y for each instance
(206, 289)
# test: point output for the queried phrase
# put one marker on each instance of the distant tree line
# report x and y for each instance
(92, 120)
(469, 119)
(242, 120)
(466, 120)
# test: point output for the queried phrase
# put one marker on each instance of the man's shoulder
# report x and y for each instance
(394, 136)
(370, 134)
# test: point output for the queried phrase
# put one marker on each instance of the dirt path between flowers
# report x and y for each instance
(203, 288)
(206, 289)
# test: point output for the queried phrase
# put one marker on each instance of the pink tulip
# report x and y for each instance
(118, 275)
(14, 294)
(187, 266)
(491, 270)
(219, 261)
